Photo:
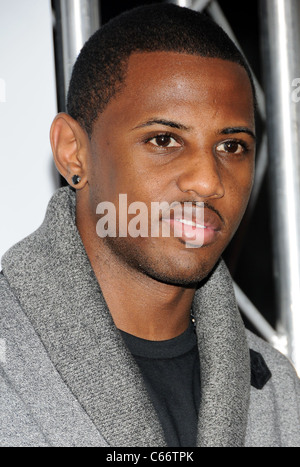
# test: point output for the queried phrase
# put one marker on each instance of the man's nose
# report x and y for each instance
(202, 175)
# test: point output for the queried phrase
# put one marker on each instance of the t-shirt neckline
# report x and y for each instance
(170, 348)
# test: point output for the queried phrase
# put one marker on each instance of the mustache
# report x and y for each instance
(195, 204)
(213, 209)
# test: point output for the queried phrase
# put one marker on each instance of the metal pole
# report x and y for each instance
(261, 324)
(197, 5)
(281, 61)
(79, 20)
(183, 3)
(200, 5)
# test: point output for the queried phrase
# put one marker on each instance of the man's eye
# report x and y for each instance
(232, 147)
(164, 141)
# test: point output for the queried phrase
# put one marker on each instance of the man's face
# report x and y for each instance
(178, 132)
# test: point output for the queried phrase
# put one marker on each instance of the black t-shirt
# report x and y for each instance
(171, 372)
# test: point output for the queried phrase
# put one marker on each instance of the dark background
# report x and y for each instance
(249, 256)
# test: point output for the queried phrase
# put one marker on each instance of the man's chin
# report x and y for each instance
(181, 278)
(166, 267)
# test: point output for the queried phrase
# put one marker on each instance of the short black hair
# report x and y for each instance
(100, 68)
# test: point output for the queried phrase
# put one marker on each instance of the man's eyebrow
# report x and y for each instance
(180, 126)
(237, 129)
(159, 121)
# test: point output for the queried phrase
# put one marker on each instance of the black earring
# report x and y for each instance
(76, 179)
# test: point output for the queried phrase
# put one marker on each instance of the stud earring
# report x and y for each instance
(76, 179)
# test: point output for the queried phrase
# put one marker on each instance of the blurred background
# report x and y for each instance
(39, 41)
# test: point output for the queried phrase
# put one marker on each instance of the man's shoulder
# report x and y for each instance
(268, 351)
(281, 368)
(274, 412)
(38, 408)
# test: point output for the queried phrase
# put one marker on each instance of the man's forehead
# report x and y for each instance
(145, 60)
(180, 87)
(154, 77)
(180, 71)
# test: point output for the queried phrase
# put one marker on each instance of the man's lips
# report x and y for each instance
(201, 225)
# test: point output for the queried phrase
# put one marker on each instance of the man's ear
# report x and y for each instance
(70, 145)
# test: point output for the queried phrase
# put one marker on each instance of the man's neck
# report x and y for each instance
(139, 304)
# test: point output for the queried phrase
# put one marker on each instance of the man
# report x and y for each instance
(135, 340)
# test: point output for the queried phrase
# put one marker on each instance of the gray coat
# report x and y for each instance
(67, 378)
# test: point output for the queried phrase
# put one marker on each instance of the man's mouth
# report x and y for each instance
(196, 224)
(191, 223)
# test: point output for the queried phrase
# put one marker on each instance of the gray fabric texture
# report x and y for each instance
(36, 407)
(274, 413)
(79, 350)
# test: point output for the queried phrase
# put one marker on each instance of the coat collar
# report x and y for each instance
(53, 279)
(224, 363)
